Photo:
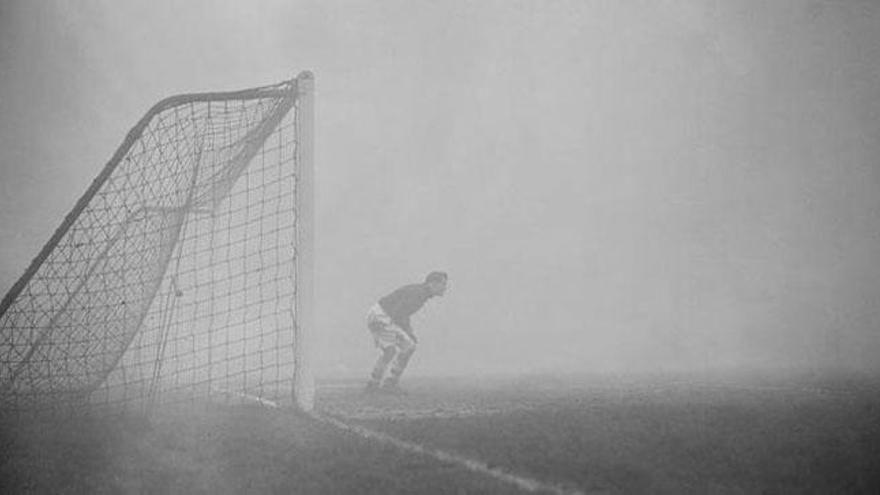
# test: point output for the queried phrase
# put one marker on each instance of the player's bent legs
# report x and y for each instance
(407, 348)
(382, 363)
(384, 339)
(391, 339)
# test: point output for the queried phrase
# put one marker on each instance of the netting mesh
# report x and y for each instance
(174, 276)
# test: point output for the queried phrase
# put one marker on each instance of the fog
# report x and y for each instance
(612, 187)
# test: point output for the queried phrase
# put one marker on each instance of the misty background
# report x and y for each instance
(611, 186)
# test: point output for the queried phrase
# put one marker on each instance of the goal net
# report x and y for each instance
(182, 271)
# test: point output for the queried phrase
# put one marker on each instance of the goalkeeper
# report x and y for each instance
(388, 321)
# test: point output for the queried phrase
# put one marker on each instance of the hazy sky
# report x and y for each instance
(610, 185)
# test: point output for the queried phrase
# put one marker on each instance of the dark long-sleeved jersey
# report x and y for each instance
(403, 302)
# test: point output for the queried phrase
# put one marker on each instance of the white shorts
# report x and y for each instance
(385, 332)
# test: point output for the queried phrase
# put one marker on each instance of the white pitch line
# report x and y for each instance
(763, 388)
(522, 482)
(255, 398)
(342, 385)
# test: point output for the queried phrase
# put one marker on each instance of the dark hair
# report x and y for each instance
(436, 277)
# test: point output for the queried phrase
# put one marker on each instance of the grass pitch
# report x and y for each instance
(671, 435)
(585, 434)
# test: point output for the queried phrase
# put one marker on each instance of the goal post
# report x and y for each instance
(186, 268)
(303, 381)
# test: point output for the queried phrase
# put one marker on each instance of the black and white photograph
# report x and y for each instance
(439, 247)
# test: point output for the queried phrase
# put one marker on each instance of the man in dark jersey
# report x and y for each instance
(388, 321)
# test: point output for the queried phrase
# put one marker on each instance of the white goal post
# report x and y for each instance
(304, 381)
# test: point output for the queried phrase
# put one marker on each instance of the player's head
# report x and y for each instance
(436, 282)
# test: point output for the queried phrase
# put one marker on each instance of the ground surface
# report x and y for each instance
(570, 434)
